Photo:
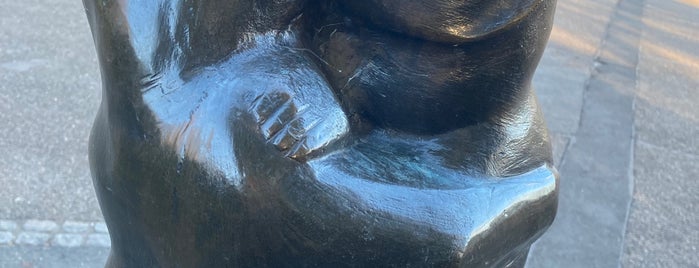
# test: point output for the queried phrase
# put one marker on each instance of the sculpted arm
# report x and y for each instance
(202, 153)
(447, 21)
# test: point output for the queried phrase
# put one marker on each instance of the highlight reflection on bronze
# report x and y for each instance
(301, 133)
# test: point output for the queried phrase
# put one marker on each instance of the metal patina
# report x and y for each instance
(292, 133)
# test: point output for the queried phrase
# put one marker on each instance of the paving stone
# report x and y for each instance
(32, 238)
(68, 240)
(594, 195)
(6, 225)
(6, 238)
(40, 226)
(99, 240)
(77, 227)
(101, 227)
(559, 142)
(53, 257)
(564, 69)
(595, 182)
(561, 105)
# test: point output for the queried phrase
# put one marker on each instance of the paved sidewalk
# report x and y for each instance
(618, 86)
(49, 92)
(595, 182)
(663, 224)
(627, 134)
(53, 257)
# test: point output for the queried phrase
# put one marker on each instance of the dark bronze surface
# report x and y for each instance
(291, 133)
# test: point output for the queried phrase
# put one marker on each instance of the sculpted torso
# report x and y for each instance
(321, 133)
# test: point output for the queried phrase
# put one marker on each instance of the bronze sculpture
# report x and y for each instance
(293, 133)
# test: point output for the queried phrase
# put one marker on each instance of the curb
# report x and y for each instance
(51, 233)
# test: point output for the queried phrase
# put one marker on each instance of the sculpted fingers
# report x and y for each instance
(292, 131)
(320, 134)
(297, 129)
(271, 111)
